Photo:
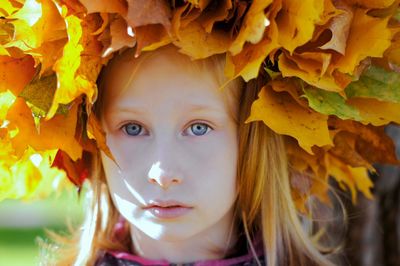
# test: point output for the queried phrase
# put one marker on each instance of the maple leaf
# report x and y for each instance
(330, 103)
(116, 6)
(349, 177)
(362, 43)
(285, 116)
(377, 83)
(15, 73)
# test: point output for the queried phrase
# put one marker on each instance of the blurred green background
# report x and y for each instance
(23, 223)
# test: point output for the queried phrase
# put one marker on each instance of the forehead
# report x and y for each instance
(165, 76)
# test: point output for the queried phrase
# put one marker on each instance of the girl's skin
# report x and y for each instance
(174, 137)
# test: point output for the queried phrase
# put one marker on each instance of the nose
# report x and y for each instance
(161, 177)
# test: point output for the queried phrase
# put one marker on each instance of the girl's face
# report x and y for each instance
(173, 136)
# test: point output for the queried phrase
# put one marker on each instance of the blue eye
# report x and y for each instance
(199, 129)
(132, 129)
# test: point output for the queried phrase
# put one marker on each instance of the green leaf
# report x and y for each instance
(330, 103)
(376, 83)
(39, 94)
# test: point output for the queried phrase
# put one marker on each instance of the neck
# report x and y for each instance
(212, 243)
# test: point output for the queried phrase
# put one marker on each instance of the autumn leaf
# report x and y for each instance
(372, 143)
(115, 6)
(376, 83)
(363, 43)
(375, 112)
(353, 178)
(254, 25)
(119, 36)
(197, 43)
(339, 28)
(15, 73)
(39, 94)
(217, 12)
(6, 100)
(247, 63)
(345, 148)
(95, 131)
(76, 72)
(145, 12)
(150, 37)
(297, 21)
(7, 8)
(369, 4)
(330, 103)
(59, 132)
(285, 116)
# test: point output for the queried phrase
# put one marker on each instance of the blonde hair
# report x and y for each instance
(264, 204)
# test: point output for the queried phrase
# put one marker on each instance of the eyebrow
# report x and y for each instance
(188, 108)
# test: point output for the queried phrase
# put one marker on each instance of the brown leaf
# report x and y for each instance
(109, 6)
(150, 37)
(217, 11)
(145, 12)
(119, 36)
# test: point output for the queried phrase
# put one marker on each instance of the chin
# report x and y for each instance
(167, 232)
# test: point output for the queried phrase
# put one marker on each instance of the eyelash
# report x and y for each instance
(209, 128)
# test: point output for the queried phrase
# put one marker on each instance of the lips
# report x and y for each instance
(167, 209)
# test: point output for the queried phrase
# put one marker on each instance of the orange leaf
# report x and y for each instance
(114, 6)
(58, 132)
(150, 37)
(95, 131)
(15, 73)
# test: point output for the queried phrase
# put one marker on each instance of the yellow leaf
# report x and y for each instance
(355, 178)
(253, 27)
(6, 8)
(285, 116)
(364, 43)
(297, 20)
(195, 42)
(376, 112)
(77, 71)
(372, 3)
(247, 63)
(314, 69)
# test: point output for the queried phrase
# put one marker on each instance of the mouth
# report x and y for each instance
(167, 209)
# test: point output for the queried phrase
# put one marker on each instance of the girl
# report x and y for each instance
(191, 181)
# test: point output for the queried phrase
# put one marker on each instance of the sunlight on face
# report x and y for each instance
(172, 133)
